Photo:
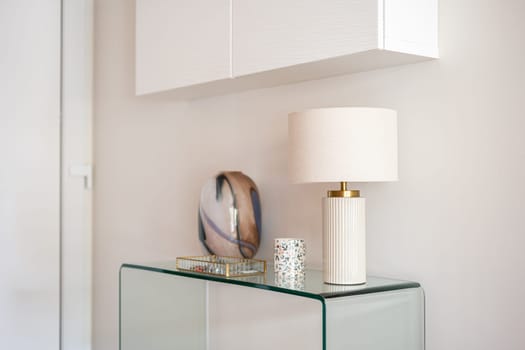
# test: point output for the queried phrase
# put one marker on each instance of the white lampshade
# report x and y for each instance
(353, 144)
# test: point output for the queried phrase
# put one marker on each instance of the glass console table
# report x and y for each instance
(164, 308)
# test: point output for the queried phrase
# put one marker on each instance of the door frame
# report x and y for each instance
(76, 172)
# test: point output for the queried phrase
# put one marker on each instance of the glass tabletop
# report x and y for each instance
(310, 284)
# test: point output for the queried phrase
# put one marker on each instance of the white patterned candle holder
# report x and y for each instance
(289, 255)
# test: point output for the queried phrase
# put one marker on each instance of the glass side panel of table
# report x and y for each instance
(162, 307)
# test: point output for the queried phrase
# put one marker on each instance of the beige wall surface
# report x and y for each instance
(454, 221)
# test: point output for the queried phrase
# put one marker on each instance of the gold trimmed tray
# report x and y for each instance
(225, 266)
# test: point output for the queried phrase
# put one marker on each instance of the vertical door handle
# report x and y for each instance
(86, 171)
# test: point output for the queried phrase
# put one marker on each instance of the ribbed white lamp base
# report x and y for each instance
(344, 240)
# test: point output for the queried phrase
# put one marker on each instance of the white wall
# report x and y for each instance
(453, 222)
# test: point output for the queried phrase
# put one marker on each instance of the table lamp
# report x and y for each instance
(353, 144)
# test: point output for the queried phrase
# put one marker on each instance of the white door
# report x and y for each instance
(29, 174)
(45, 143)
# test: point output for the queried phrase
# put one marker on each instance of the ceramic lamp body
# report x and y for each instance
(344, 240)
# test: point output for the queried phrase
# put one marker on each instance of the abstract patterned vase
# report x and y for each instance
(230, 215)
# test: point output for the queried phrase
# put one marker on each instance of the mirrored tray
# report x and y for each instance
(222, 265)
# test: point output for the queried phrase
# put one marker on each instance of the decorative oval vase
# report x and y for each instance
(230, 215)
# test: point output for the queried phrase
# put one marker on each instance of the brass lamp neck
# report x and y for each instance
(344, 192)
